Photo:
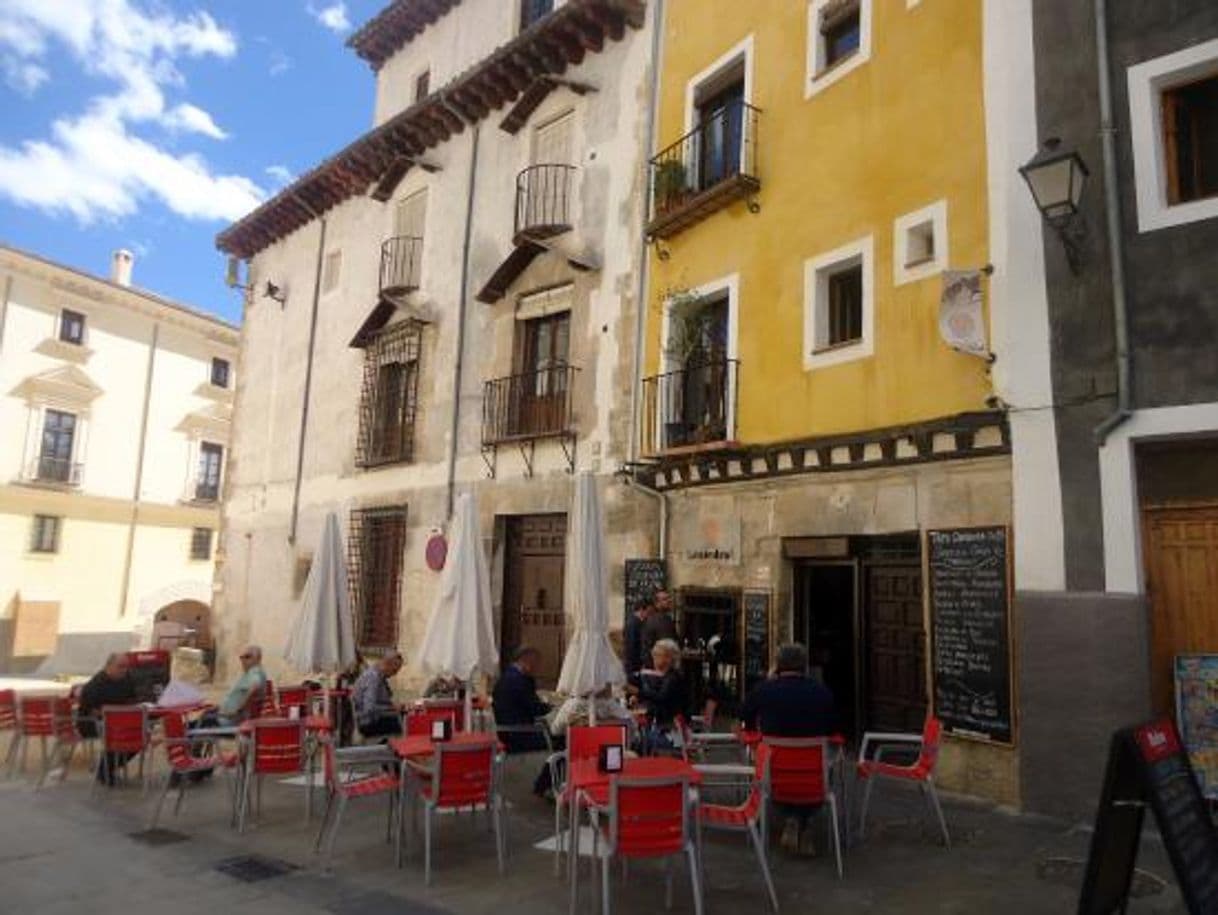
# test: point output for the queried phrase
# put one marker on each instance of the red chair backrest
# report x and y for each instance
(294, 697)
(174, 726)
(37, 716)
(649, 816)
(585, 742)
(278, 747)
(932, 734)
(266, 706)
(796, 771)
(419, 719)
(8, 710)
(464, 774)
(124, 728)
(63, 720)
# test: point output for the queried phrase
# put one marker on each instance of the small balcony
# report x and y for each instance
(692, 408)
(543, 202)
(52, 471)
(709, 168)
(204, 491)
(401, 258)
(529, 406)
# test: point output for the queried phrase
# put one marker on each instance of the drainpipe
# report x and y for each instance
(1120, 310)
(308, 384)
(139, 473)
(8, 292)
(462, 308)
(660, 497)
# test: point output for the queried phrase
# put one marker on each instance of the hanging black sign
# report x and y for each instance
(970, 629)
(1148, 765)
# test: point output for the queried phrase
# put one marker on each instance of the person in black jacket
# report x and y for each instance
(660, 624)
(662, 692)
(112, 685)
(634, 659)
(515, 702)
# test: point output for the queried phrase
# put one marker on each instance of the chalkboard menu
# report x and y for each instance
(756, 625)
(1148, 764)
(643, 578)
(970, 628)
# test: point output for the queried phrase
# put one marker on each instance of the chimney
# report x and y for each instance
(120, 267)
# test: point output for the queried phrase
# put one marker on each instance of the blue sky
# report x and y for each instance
(152, 124)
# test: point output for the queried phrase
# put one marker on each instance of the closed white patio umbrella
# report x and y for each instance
(322, 639)
(590, 663)
(460, 637)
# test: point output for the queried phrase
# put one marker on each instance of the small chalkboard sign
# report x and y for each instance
(755, 610)
(643, 578)
(970, 629)
(1148, 765)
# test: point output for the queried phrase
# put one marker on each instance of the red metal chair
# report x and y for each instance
(9, 722)
(267, 704)
(583, 744)
(340, 789)
(180, 750)
(293, 701)
(649, 818)
(419, 718)
(67, 739)
(920, 772)
(747, 817)
(35, 719)
(797, 773)
(124, 734)
(277, 747)
(462, 776)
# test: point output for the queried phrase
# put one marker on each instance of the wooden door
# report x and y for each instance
(1181, 549)
(896, 648)
(533, 592)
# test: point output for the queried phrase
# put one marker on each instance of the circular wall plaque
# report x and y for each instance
(437, 552)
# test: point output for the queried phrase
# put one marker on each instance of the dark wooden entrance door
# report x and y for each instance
(1181, 544)
(533, 591)
(896, 648)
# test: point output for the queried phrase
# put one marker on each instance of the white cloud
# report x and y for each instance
(333, 17)
(96, 164)
(281, 174)
(280, 63)
(23, 77)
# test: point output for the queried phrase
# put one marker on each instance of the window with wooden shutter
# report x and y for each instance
(553, 141)
(1190, 140)
(410, 216)
(331, 270)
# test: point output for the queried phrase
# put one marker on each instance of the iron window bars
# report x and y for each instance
(376, 545)
(389, 396)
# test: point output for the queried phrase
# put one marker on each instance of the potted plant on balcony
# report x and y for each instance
(685, 352)
(671, 185)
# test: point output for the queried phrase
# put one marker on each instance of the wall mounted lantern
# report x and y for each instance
(1056, 177)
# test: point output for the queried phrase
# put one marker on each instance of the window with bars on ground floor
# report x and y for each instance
(376, 546)
(388, 399)
(200, 543)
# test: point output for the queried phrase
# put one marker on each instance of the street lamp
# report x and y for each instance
(1056, 177)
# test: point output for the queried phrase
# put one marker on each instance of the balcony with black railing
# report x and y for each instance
(401, 257)
(53, 471)
(544, 201)
(709, 168)
(529, 406)
(692, 407)
(205, 491)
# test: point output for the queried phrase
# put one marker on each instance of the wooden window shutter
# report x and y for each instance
(1171, 143)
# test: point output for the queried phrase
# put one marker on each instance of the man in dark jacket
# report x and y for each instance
(516, 703)
(112, 685)
(660, 624)
(791, 704)
(635, 659)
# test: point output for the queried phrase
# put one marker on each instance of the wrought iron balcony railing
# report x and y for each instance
(531, 405)
(401, 257)
(707, 169)
(694, 405)
(61, 471)
(205, 491)
(543, 201)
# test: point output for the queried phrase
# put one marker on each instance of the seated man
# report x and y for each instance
(242, 701)
(109, 686)
(515, 702)
(791, 704)
(376, 714)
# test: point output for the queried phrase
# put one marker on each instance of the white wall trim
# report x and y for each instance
(1018, 301)
(1123, 567)
(1146, 82)
(936, 215)
(816, 272)
(814, 80)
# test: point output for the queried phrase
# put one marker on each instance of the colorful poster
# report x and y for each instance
(1197, 715)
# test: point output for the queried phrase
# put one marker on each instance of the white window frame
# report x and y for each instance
(1147, 82)
(817, 271)
(818, 78)
(936, 216)
(728, 284)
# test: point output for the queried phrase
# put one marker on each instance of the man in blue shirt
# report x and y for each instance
(791, 704)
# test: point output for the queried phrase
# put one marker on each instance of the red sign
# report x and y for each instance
(1158, 740)
(437, 552)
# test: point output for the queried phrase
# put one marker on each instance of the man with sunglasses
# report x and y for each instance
(241, 701)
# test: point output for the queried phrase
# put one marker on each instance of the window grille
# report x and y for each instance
(376, 546)
(389, 398)
(200, 543)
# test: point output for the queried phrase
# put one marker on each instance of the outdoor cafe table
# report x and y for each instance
(588, 785)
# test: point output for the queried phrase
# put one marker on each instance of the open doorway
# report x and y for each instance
(533, 592)
(826, 611)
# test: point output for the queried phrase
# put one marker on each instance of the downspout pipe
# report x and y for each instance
(133, 525)
(454, 428)
(1116, 247)
(308, 383)
(662, 499)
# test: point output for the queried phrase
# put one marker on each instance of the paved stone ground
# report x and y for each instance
(65, 851)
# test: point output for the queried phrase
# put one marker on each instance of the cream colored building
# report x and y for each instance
(115, 415)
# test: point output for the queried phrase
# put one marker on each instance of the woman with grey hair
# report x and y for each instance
(662, 692)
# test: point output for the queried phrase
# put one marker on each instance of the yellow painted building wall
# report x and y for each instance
(901, 131)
